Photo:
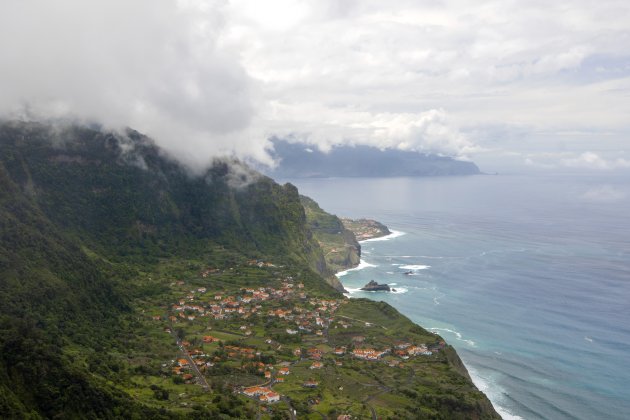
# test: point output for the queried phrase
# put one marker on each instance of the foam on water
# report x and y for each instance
(362, 264)
(415, 267)
(494, 393)
(457, 335)
(392, 235)
(354, 290)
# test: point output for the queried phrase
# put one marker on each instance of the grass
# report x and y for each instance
(346, 389)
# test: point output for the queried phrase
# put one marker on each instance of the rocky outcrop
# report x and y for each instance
(373, 286)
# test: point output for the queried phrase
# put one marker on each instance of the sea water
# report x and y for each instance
(528, 277)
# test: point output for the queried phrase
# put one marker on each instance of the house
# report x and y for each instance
(284, 371)
(253, 391)
(267, 374)
(310, 384)
(368, 354)
(416, 350)
(316, 365)
(270, 397)
(263, 394)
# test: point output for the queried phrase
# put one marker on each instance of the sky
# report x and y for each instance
(511, 85)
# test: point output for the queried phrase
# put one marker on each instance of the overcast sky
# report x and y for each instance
(511, 85)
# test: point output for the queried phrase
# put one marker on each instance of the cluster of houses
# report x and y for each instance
(263, 394)
(250, 302)
(369, 353)
(407, 350)
(300, 313)
(402, 350)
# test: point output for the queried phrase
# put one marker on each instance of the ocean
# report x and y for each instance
(527, 276)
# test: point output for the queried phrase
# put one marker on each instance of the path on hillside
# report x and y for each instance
(365, 322)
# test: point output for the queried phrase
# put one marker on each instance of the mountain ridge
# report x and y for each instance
(299, 160)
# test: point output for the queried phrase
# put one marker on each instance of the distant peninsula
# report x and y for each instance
(299, 160)
(339, 238)
(365, 229)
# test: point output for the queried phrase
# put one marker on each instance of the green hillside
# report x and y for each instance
(133, 288)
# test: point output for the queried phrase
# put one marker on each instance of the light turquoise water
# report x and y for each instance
(527, 276)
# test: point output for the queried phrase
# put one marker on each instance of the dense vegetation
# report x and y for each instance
(94, 227)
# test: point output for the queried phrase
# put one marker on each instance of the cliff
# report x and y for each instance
(339, 245)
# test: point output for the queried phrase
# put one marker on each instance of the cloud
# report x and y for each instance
(590, 160)
(219, 77)
(604, 193)
(528, 67)
(155, 65)
(428, 132)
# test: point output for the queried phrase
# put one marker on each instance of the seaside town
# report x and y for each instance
(277, 342)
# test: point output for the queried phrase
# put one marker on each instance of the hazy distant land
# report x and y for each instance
(298, 160)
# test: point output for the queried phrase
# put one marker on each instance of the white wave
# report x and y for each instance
(589, 339)
(362, 264)
(389, 272)
(353, 290)
(493, 392)
(392, 235)
(457, 335)
(436, 301)
(415, 267)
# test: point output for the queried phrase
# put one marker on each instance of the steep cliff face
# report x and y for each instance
(339, 245)
(120, 194)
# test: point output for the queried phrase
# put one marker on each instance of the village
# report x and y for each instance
(277, 338)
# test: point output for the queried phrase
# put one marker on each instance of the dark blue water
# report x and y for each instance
(527, 276)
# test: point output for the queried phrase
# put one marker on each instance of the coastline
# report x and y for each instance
(482, 384)
(394, 234)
